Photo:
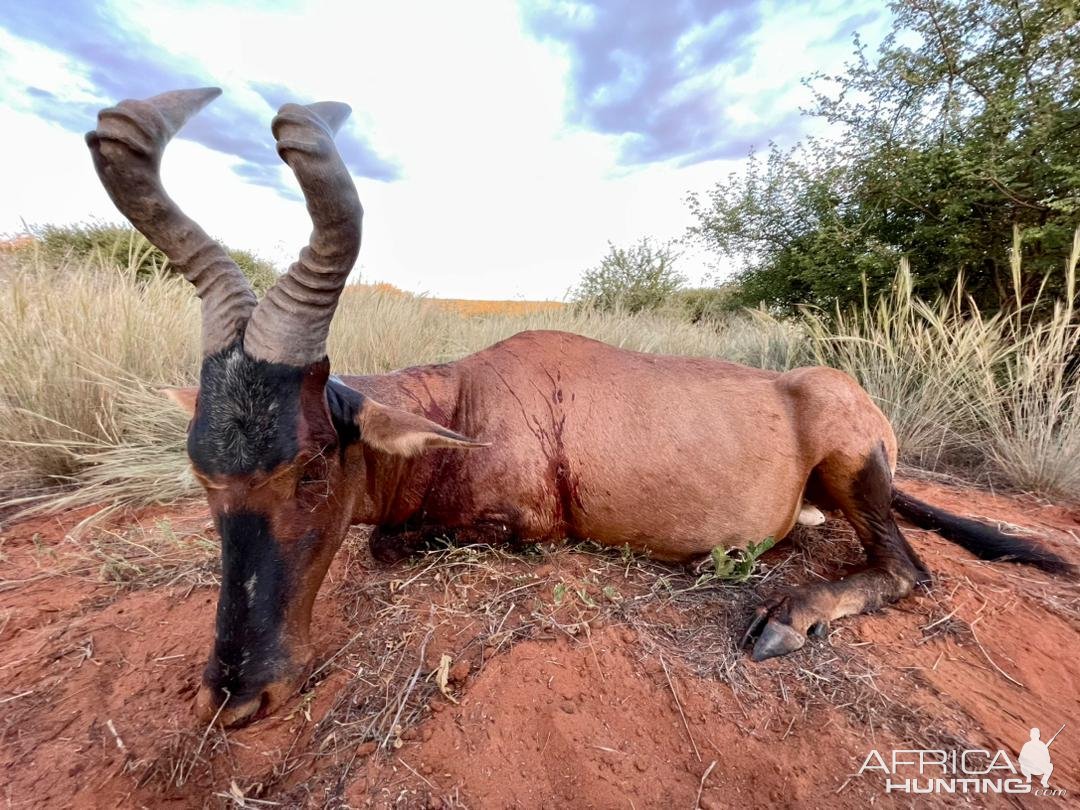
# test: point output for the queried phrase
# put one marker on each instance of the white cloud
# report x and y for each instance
(498, 196)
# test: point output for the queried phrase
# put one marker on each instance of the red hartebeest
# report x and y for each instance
(570, 437)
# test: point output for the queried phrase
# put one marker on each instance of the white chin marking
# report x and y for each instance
(810, 516)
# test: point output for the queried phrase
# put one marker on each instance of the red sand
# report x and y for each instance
(97, 684)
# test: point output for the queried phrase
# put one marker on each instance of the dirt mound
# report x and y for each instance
(595, 725)
(551, 677)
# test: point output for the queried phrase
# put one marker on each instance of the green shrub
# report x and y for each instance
(259, 272)
(959, 128)
(705, 304)
(127, 249)
(633, 279)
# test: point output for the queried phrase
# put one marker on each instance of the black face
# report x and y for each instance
(248, 416)
(259, 430)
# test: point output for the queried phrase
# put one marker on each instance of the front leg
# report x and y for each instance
(389, 545)
(392, 544)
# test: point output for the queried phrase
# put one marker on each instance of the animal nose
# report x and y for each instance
(213, 707)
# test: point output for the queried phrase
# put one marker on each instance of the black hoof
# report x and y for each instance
(777, 639)
(761, 615)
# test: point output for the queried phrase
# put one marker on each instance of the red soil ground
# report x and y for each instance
(576, 678)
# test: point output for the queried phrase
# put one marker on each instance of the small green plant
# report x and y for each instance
(586, 600)
(562, 590)
(735, 565)
(558, 593)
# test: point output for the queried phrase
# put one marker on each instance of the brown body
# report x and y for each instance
(541, 437)
(671, 455)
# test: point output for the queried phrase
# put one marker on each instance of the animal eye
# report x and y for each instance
(313, 473)
(205, 482)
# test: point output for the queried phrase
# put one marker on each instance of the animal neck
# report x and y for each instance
(396, 488)
(431, 391)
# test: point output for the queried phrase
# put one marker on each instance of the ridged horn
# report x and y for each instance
(127, 147)
(291, 324)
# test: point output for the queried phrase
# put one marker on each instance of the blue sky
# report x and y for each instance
(497, 145)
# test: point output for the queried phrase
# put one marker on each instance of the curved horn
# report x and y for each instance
(127, 147)
(291, 323)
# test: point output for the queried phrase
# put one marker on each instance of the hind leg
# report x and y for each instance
(864, 492)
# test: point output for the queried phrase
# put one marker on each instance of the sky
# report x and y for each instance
(498, 146)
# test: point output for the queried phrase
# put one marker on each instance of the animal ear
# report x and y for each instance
(400, 433)
(184, 397)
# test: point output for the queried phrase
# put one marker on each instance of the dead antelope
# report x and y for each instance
(543, 436)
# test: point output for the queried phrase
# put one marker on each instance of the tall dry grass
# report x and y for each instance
(996, 397)
(1034, 439)
(86, 346)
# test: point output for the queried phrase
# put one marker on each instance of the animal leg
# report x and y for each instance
(864, 493)
(392, 545)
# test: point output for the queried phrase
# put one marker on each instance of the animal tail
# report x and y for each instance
(981, 539)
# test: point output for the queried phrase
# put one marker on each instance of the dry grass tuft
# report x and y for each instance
(464, 306)
(138, 558)
(996, 397)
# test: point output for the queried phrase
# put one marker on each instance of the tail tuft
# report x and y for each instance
(982, 540)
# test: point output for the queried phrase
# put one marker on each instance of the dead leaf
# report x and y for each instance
(442, 677)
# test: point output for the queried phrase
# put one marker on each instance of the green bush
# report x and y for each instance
(961, 130)
(640, 277)
(126, 248)
(705, 304)
(260, 273)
